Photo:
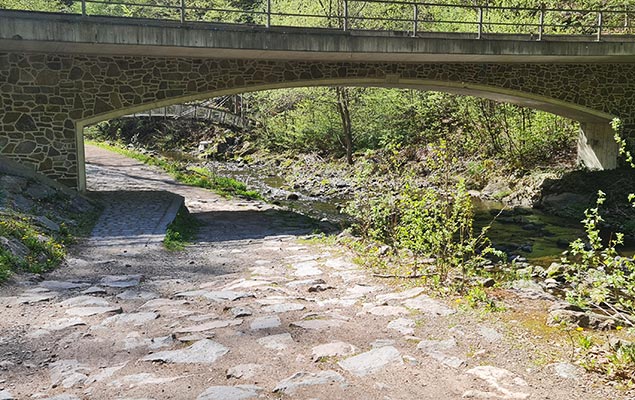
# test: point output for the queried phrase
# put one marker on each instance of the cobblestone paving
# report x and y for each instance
(250, 310)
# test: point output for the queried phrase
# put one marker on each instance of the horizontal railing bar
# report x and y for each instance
(595, 21)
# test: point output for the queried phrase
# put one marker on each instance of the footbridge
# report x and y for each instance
(61, 72)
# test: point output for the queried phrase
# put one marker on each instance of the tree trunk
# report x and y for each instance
(342, 107)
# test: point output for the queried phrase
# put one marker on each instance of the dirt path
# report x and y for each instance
(251, 310)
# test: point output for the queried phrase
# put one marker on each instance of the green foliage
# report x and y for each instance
(306, 120)
(432, 222)
(595, 272)
(181, 231)
(44, 252)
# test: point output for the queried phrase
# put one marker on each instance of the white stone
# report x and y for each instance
(68, 373)
(404, 326)
(60, 285)
(371, 361)
(283, 307)
(267, 322)
(240, 392)
(429, 306)
(210, 325)
(135, 319)
(506, 385)
(138, 380)
(88, 311)
(406, 294)
(203, 352)
(244, 371)
(120, 281)
(304, 379)
(387, 311)
(276, 342)
(333, 349)
(307, 268)
(85, 301)
(137, 295)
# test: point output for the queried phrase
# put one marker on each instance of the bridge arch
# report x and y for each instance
(590, 119)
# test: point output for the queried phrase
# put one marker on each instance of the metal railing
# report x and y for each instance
(410, 17)
(202, 111)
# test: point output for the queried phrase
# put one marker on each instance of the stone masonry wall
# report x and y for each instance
(42, 96)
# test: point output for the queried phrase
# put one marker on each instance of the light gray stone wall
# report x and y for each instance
(43, 97)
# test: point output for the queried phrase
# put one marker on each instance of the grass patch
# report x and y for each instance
(42, 252)
(192, 176)
(181, 231)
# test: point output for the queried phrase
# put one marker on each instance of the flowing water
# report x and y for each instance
(528, 233)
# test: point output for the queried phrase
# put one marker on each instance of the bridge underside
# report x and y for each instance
(49, 99)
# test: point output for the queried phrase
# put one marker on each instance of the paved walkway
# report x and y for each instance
(250, 310)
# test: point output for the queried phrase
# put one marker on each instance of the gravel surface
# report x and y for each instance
(250, 310)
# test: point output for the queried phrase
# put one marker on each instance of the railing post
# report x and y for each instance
(541, 25)
(268, 24)
(182, 11)
(415, 20)
(599, 26)
(83, 8)
(345, 27)
(480, 23)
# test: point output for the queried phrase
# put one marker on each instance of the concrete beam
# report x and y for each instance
(63, 33)
(597, 149)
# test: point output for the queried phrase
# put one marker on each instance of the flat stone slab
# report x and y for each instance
(63, 323)
(436, 349)
(307, 268)
(276, 342)
(244, 371)
(360, 290)
(6, 395)
(89, 311)
(121, 281)
(202, 352)
(318, 324)
(406, 294)
(387, 311)
(219, 296)
(85, 301)
(32, 298)
(247, 284)
(371, 361)
(240, 392)
(62, 285)
(429, 306)
(239, 312)
(506, 385)
(137, 295)
(267, 322)
(135, 319)
(405, 326)
(135, 340)
(94, 290)
(139, 380)
(68, 373)
(490, 335)
(210, 325)
(333, 349)
(567, 371)
(158, 304)
(283, 307)
(305, 379)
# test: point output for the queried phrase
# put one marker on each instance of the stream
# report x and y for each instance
(520, 232)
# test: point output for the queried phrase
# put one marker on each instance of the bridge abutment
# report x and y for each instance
(597, 148)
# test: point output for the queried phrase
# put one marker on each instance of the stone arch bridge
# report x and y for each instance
(61, 73)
